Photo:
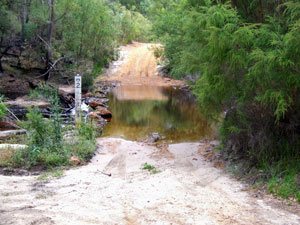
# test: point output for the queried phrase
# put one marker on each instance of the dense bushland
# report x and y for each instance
(58, 39)
(67, 32)
(246, 55)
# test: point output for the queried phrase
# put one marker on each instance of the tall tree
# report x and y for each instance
(8, 28)
(24, 15)
(50, 33)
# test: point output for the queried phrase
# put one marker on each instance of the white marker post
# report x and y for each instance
(77, 97)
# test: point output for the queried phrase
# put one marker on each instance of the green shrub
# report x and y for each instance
(85, 145)
(52, 159)
(39, 129)
(44, 142)
(44, 136)
(249, 68)
(87, 82)
(87, 131)
(131, 25)
(42, 148)
(84, 149)
(97, 70)
(286, 187)
(54, 129)
(3, 110)
(152, 169)
(19, 158)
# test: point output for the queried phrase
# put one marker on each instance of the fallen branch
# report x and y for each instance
(52, 66)
(106, 174)
(45, 42)
(12, 114)
(12, 146)
(11, 133)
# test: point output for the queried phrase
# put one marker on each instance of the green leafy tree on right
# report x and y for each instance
(247, 57)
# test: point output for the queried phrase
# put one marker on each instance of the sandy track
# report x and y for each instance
(188, 190)
(138, 66)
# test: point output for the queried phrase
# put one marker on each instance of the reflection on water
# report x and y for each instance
(139, 93)
(139, 111)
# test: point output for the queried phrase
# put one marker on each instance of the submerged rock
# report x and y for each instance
(96, 102)
(104, 113)
(101, 122)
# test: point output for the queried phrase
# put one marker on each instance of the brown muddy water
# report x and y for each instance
(140, 110)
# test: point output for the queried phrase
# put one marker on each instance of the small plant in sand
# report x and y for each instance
(51, 174)
(152, 169)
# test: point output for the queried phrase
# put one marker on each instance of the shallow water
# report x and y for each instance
(140, 110)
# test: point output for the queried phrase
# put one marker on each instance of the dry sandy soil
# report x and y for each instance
(187, 190)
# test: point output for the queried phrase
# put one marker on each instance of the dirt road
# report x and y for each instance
(187, 190)
(138, 66)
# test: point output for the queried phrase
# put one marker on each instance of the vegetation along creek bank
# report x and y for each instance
(144, 181)
(189, 112)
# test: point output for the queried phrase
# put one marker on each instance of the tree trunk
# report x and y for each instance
(81, 40)
(49, 36)
(234, 3)
(261, 12)
(24, 17)
(83, 18)
(1, 68)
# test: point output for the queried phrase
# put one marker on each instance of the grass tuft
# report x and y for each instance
(152, 169)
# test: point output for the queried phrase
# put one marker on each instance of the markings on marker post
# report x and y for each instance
(77, 96)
